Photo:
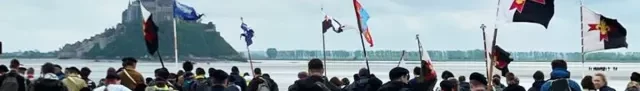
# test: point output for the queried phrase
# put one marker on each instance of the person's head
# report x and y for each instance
(496, 79)
(559, 63)
(48, 68)
(187, 66)
(316, 67)
(220, 78)
(446, 74)
(538, 76)
(129, 62)
(587, 82)
(211, 70)
(161, 73)
(462, 79)
(112, 79)
(266, 75)
(416, 71)
(57, 68)
(335, 81)
(235, 70)
(72, 70)
(477, 81)
(3, 69)
(364, 72)
(111, 70)
(85, 72)
(14, 64)
(599, 80)
(356, 77)
(148, 80)
(246, 74)
(30, 70)
(635, 76)
(449, 85)
(257, 71)
(399, 74)
(512, 79)
(200, 71)
(21, 70)
(180, 73)
(302, 75)
(346, 81)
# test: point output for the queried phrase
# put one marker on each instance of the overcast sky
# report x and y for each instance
(47, 25)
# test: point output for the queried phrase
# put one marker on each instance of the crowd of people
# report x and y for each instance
(127, 78)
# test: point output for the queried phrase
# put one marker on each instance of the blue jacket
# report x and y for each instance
(559, 73)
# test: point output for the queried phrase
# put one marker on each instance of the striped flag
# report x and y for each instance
(363, 17)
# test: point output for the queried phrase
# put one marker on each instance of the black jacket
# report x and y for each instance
(465, 86)
(309, 84)
(218, 88)
(424, 85)
(514, 88)
(238, 80)
(22, 82)
(394, 86)
(370, 83)
(536, 85)
(606, 88)
(43, 84)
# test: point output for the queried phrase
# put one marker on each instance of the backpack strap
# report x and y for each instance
(127, 73)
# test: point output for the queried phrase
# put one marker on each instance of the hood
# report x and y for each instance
(537, 84)
(560, 73)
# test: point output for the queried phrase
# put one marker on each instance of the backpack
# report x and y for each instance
(200, 85)
(559, 85)
(9, 83)
(186, 85)
(264, 86)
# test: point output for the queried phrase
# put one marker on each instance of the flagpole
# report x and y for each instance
(175, 43)
(495, 26)
(582, 39)
(364, 50)
(160, 57)
(324, 54)
(401, 58)
(487, 67)
(249, 53)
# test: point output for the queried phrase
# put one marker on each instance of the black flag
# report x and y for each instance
(150, 31)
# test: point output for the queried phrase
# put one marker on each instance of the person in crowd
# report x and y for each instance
(632, 86)
(587, 83)
(13, 80)
(416, 75)
(538, 78)
(428, 78)
(111, 70)
(449, 85)
(316, 81)
(84, 73)
(478, 82)
(130, 77)
(30, 73)
(59, 72)
(111, 84)
(161, 82)
(365, 82)
(336, 82)
(399, 79)
(635, 76)
(74, 81)
(3, 69)
(211, 72)
(560, 78)
(600, 82)
(237, 79)
(173, 79)
(201, 83)
(446, 75)
(184, 80)
(259, 82)
(497, 85)
(221, 82)
(273, 85)
(22, 71)
(301, 75)
(148, 80)
(180, 73)
(247, 78)
(346, 82)
(513, 83)
(463, 85)
(48, 81)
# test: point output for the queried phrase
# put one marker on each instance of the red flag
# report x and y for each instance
(363, 17)
(150, 31)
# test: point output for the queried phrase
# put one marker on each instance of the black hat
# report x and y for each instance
(446, 74)
(398, 72)
(635, 76)
(112, 76)
(478, 77)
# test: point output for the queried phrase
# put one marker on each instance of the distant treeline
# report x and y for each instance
(441, 55)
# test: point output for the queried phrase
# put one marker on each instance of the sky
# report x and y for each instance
(46, 25)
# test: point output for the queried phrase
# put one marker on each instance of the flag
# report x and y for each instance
(327, 24)
(185, 12)
(427, 67)
(502, 59)
(532, 11)
(247, 34)
(601, 33)
(150, 31)
(363, 17)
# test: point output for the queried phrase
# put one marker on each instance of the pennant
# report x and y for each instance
(247, 34)
(150, 31)
(363, 17)
(185, 12)
(601, 33)
(531, 11)
(327, 24)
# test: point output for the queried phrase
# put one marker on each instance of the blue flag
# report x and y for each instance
(248, 33)
(185, 12)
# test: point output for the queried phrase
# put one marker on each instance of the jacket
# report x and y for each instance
(309, 84)
(238, 80)
(561, 73)
(255, 82)
(218, 88)
(371, 83)
(90, 83)
(394, 86)
(130, 78)
(606, 88)
(48, 82)
(514, 88)
(22, 82)
(74, 82)
(424, 85)
(536, 85)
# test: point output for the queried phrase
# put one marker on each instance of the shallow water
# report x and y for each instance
(285, 72)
